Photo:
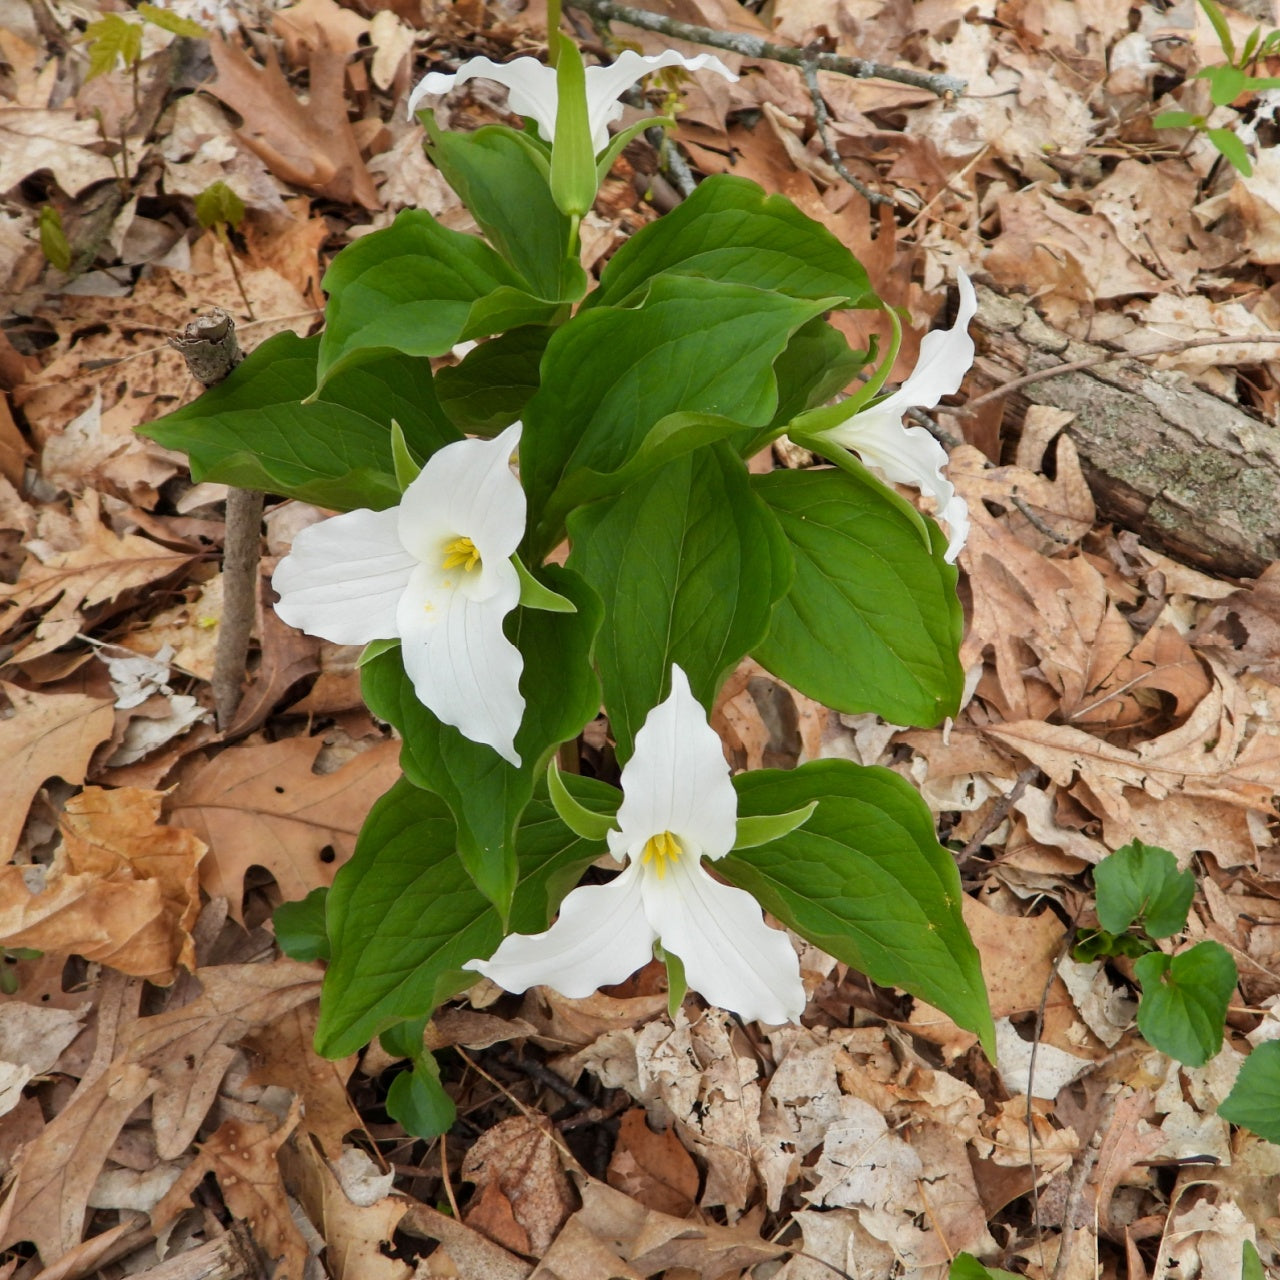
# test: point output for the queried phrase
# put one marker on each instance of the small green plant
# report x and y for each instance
(966, 1267)
(1227, 81)
(220, 209)
(53, 239)
(1143, 896)
(114, 40)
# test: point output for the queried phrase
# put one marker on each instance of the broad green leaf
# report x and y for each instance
(688, 563)
(174, 22)
(1141, 882)
(872, 621)
(731, 231)
(112, 39)
(53, 239)
(1184, 1000)
(218, 203)
(966, 1267)
(610, 375)
(1233, 148)
(1250, 1262)
(490, 388)
(498, 176)
(404, 916)
(418, 288)
(418, 1100)
(486, 793)
(253, 430)
(866, 880)
(1254, 1100)
(299, 927)
(1226, 84)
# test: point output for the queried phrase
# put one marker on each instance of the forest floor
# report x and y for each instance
(162, 1109)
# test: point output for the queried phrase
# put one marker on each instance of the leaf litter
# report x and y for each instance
(156, 1071)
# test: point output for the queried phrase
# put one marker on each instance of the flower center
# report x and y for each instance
(461, 552)
(660, 850)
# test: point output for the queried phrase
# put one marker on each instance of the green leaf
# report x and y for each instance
(1094, 944)
(1229, 144)
(1177, 120)
(300, 930)
(872, 621)
(688, 563)
(573, 159)
(489, 389)
(611, 375)
(770, 826)
(1250, 1262)
(174, 22)
(485, 792)
(253, 430)
(966, 1267)
(1219, 22)
(418, 288)
(1184, 1000)
(1141, 882)
(866, 880)
(53, 240)
(419, 1102)
(404, 915)
(587, 823)
(1254, 1100)
(218, 203)
(504, 181)
(1226, 84)
(729, 230)
(110, 39)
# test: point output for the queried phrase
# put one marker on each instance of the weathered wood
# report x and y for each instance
(232, 1256)
(1192, 473)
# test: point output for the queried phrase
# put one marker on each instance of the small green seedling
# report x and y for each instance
(53, 239)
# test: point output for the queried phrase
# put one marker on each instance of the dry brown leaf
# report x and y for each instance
(241, 1155)
(262, 805)
(48, 735)
(653, 1168)
(522, 1194)
(122, 889)
(56, 1172)
(310, 146)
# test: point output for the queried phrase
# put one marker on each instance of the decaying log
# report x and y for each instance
(1192, 473)
(232, 1256)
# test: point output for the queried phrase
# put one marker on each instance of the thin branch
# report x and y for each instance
(211, 350)
(822, 118)
(999, 811)
(751, 46)
(1074, 366)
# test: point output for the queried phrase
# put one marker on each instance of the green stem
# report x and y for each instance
(553, 26)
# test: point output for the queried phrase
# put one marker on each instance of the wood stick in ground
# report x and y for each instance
(1192, 473)
(211, 350)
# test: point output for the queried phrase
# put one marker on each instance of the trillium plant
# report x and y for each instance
(542, 512)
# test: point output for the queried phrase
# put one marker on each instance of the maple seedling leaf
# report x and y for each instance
(111, 38)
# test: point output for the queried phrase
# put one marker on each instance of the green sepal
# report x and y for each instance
(677, 983)
(619, 140)
(759, 830)
(1250, 1262)
(573, 162)
(375, 649)
(533, 595)
(407, 469)
(587, 824)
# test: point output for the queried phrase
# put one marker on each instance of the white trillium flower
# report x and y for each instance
(678, 807)
(531, 86)
(434, 573)
(910, 455)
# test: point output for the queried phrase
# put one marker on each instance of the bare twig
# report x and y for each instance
(211, 350)
(673, 164)
(1074, 366)
(999, 811)
(822, 118)
(751, 46)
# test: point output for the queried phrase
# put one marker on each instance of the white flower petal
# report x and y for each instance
(600, 938)
(730, 955)
(466, 489)
(677, 779)
(344, 577)
(531, 88)
(605, 85)
(462, 666)
(946, 355)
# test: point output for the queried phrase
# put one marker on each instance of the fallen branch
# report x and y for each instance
(751, 46)
(211, 350)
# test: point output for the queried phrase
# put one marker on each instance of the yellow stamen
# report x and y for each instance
(659, 850)
(461, 551)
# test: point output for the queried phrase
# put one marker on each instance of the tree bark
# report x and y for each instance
(1192, 473)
